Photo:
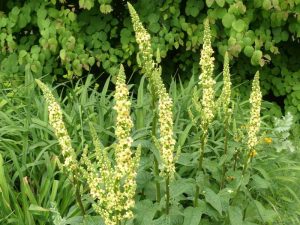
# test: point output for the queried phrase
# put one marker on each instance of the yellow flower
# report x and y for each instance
(253, 153)
(268, 140)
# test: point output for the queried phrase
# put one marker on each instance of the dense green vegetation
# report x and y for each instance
(107, 149)
(80, 37)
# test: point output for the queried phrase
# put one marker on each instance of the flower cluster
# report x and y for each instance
(60, 131)
(167, 141)
(254, 123)
(114, 188)
(224, 99)
(153, 73)
(206, 79)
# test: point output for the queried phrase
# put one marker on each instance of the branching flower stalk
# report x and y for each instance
(114, 188)
(159, 93)
(207, 83)
(56, 122)
(223, 102)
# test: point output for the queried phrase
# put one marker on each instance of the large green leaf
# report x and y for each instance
(235, 215)
(192, 216)
(227, 20)
(213, 199)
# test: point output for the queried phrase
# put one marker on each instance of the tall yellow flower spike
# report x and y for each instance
(224, 99)
(206, 79)
(153, 73)
(114, 188)
(254, 123)
(60, 131)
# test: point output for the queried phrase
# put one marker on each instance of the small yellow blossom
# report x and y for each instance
(268, 140)
(253, 153)
(60, 131)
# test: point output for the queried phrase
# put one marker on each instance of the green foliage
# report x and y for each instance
(34, 190)
(55, 37)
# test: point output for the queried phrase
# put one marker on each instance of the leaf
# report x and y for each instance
(153, 18)
(213, 199)
(192, 216)
(227, 20)
(145, 212)
(256, 57)
(239, 25)
(209, 2)
(181, 186)
(34, 207)
(220, 3)
(267, 215)
(248, 51)
(235, 215)
(163, 220)
(93, 220)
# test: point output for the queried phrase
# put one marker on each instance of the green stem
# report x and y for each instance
(78, 196)
(225, 153)
(246, 164)
(156, 166)
(235, 159)
(196, 196)
(167, 194)
(200, 166)
(200, 163)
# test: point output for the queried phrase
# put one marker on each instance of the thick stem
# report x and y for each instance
(246, 164)
(157, 184)
(200, 165)
(235, 159)
(156, 167)
(78, 196)
(196, 196)
(167, 194)
(225, 152)
(200, 162)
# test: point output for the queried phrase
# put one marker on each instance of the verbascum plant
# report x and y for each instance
(223, 103)
(207, 106)
(113, 188)
(60, 131)
(159, 93)
(151, 69)
(206, 80)
(254, 122)
(167, 141)
(224, 99)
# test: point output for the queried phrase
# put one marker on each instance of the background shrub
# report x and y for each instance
(73, 39)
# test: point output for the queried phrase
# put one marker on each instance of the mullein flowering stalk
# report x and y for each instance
(114, 188)
(224, 102)
(159, 93)
(69, 155)
(253, 125)
(254, 122)
(207, 83)
(60, 131)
